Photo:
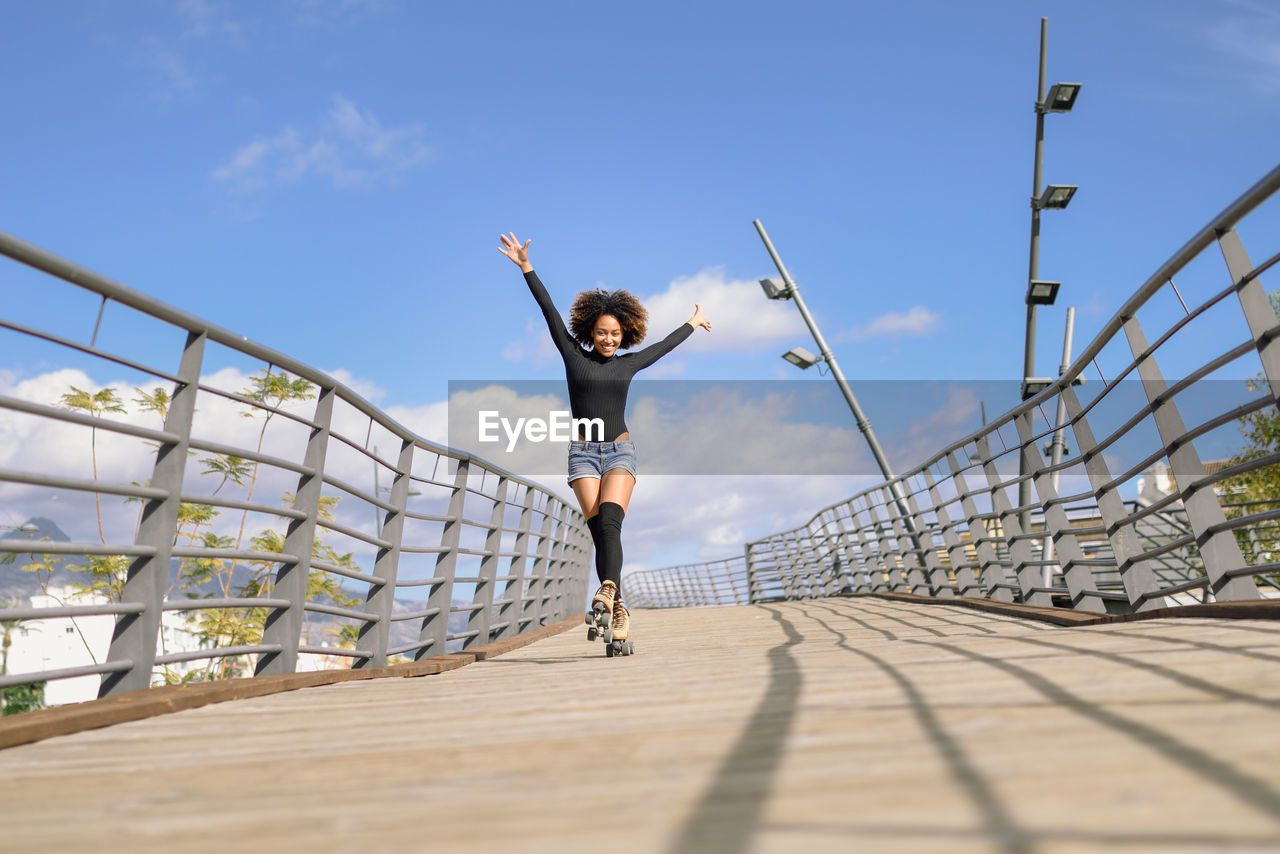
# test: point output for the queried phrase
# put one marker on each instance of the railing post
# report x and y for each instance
(553, 607)
(992, 571)
(284, 625)
(936, 573)
(1135, 574)
(912, 558)
(965, 581)
(381, 597)
(889, 558)
(135, 635)
(1078, 577)
(1258, 311)
(513, 608)
(753, 581)
(435, 626)
(481, 618)
(538, 572)
(1220, 551)
(1019, 547)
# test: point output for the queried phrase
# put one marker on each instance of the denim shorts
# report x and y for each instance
(593, 459)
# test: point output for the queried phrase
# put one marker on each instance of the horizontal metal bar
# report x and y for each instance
(217, 652)
(400, 650)
(1259, 569)
(200, 604)
(251, 506)
(419, 582)
(336, 650)
(61, 547)
(91, 351)
(456, 609)
(235, 554)
(338, 528)
(59, 414)
(356, 492)
(422, 550)
(415, 615)
(65, 673)
(334, 610)
(346, 573)
(1177, 588)
(252, 456)
(71, 611)
(81, 485)
(462, 635)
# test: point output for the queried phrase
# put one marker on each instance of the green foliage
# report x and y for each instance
(106, 575)
(1260, 488)
(17, 699)
(105, 400)
(157, 401)
(231, 468)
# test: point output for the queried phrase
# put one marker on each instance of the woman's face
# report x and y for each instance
(607, 334)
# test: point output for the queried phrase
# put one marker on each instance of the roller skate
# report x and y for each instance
(601, 612)
(619, 645)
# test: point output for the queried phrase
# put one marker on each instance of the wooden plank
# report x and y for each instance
(838, 724)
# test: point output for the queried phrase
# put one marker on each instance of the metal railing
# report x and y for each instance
(450, 527)
(1106, 553)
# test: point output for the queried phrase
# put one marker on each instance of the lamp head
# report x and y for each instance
(801, 358)
(1055, 197)
(1061, 98)
(773, 289)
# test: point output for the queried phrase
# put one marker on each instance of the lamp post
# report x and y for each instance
(802, 358)
(1060, 98)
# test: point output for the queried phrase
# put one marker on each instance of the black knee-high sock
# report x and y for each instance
(597, 540)
(610, 523)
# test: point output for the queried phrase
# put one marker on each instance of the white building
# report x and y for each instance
(64, 642)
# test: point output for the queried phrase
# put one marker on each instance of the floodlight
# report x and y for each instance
(1055, 197)
(1061, 98)
(1041, 293)
(801, 358)
(1032, 386)
(774, 289)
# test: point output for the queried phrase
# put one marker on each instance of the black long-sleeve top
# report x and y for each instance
(598, 385)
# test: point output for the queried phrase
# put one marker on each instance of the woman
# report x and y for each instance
(602, 474)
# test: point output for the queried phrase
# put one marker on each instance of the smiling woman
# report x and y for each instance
(602, 474)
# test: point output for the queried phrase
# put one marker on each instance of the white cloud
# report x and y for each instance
(350, 148)
(741, 318)
(917, 321)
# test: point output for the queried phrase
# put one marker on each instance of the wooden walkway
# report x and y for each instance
(830, 725)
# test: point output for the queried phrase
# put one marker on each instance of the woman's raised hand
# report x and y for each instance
(518, 254)
(698, 319)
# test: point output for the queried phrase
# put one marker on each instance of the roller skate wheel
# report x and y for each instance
(631, 648)
(591, 633)
(591, 618)
(608, 635)
(608, 651)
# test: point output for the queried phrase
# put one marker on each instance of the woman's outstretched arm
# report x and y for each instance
(646, 357)
(519, 256)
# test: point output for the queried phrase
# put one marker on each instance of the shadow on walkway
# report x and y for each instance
(728, 813)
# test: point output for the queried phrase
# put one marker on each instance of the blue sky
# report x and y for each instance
(329, 178)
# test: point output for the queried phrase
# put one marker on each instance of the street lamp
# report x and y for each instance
(1060, 98)
(1042, 293)
(1055, 197)
(804, 359)
(773, 289)
(801, 358)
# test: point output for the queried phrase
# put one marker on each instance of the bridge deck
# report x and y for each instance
(844, 724)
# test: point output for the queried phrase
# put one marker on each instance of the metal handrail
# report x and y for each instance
(972, 543)
(543, 576)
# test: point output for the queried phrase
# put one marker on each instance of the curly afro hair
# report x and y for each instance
(590, 305)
